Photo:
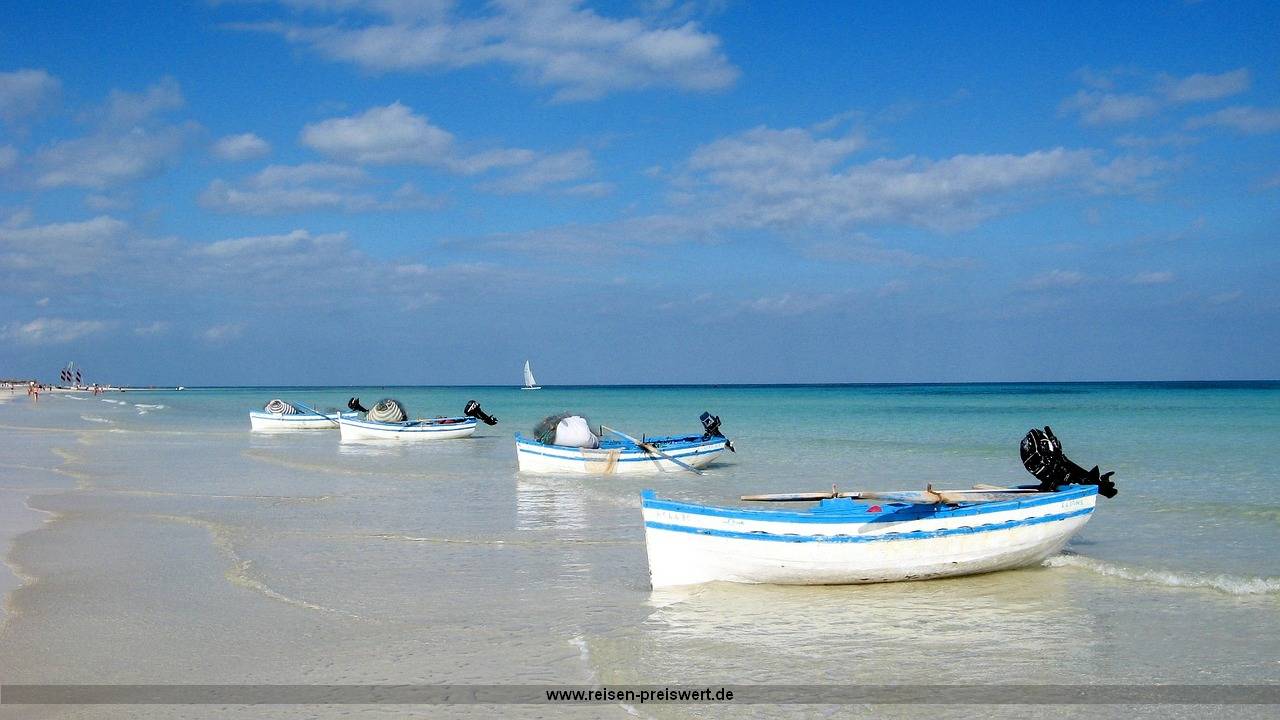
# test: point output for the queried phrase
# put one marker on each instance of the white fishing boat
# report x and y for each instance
(844, 541)
(280, 415)
(443, 428)
(869, 537)
(529, 382)
(387, 420)
(616, 453)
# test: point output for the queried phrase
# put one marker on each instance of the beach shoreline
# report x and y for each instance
(17, 518)
(179, 547)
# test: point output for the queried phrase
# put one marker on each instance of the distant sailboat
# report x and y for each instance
(529, 382)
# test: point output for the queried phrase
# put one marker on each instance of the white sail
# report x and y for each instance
(529, 382)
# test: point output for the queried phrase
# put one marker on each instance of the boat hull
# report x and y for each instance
(615, 458)
(414, 430)
(691, 544)
(273, 422)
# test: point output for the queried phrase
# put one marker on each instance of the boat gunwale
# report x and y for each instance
(426, 425)
(668, 443)
(260, 415)
(858, 513)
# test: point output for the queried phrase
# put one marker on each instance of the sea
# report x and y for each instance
(150, 538)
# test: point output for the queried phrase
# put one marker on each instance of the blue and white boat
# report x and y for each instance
(387, 420)
(852, 538)
(271, 422)
(620, 455)
(279, 415)
(442, 428)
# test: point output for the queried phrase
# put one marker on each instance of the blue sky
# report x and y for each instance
(399, 192)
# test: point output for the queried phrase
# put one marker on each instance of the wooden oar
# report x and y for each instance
(655, 451)
(317, 412)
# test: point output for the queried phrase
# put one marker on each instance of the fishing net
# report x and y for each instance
(280, 407)
(566, 428)
(387, 410)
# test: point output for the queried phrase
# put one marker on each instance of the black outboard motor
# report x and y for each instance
(474, 410)
(354, 404)
(711, 423)
(1042, 456)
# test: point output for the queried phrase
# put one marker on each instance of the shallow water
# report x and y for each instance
(186, 549)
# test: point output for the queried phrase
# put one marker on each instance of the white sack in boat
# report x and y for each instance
(574, 431)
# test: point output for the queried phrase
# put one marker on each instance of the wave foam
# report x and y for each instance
(1229, 584)
(94, 418)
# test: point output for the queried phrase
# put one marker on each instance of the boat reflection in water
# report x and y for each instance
(1000, 628)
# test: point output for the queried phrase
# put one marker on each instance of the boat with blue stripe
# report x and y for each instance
(280, 415)
(271, 422)
(614, 452)
(387, 420)
(441, 428)
(871, 537)
(855, 538)
(617, 456)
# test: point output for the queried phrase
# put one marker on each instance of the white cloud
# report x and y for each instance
(1128, 173)
(1152, 277)
(381, 136)
(555, 43)
(129, 144)
(1205, 86)
(1241, 118)
(1054, 280)
(270, 244)
(788, 151)
(126, 108)
(26, 92)
(106, 160)
(8, 157)
(1102, 106)
(395, 135)
(546, 170)
(222, 332)
(53, 331)
(787, 304)
(109, 201)
(157, 327)
(70, 248)
(245, 146)
(796, 178)
(593, 190)
(284, 189)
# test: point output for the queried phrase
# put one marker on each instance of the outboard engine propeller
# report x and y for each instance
(711, 423)
(474, 410)
(354, 404)
(1042, 457)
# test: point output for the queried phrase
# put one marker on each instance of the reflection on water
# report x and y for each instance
(1010, 624)
(372, 448)
(548, 501)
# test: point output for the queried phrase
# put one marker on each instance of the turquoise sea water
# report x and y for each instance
(185, 549)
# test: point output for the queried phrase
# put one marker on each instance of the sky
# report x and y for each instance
(432, 192)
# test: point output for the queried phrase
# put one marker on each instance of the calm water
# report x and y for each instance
(186, 549)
